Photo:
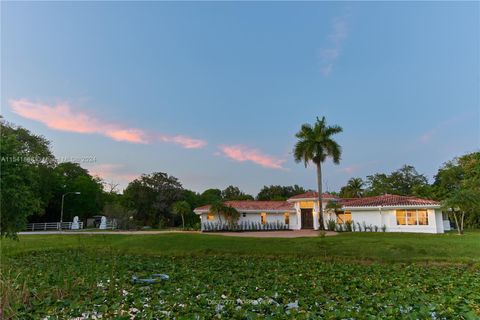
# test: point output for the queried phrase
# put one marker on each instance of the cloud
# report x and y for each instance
(351, 169)
(242, 153)
(63, 117)
(112, 174)
(444, 126)
(111, 171)
(331, 52)
(186, 142)
(356, 167)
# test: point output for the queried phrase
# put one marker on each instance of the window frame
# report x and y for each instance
(263, 218)
(408, 217)
(286, 217)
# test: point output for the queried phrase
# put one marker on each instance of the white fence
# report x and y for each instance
(52, 226)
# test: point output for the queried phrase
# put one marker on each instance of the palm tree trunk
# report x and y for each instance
(183, 223)
(320, 202)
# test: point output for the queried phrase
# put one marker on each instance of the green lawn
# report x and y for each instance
(360, 276)
(389, 247)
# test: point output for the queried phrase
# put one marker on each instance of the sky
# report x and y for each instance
(214, 92)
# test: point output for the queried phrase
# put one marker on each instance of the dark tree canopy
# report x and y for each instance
(457, 184)
(152, 196)
(404, 181)
(26, 163)
(234, 193)
(277, 192)
(353, 189)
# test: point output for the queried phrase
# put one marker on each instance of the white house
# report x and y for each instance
(391, 213)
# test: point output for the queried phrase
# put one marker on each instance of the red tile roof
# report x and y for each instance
(312, 195)
(387, 200)
(254, 205)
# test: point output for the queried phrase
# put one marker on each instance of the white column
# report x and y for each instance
(299, 216)
(316, 210)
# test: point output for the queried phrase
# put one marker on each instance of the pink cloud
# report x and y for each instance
(186, 142)
(63, 117)
(242, 153)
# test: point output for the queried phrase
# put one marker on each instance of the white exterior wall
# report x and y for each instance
(255, 217)
(387, 217)
(369, 217)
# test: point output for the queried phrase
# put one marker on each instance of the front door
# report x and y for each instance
(307, 218)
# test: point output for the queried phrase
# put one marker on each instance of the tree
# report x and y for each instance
(210, 196)
(123, 216)
(315, 144)
(218, 208)
(152, 196)
(71, 177)
(279, 192)
(234, 193)
(353, 189)
(405, 181)
(229, 213)
(457, 183)
(460, 203)
(26, 163)
(181, 208)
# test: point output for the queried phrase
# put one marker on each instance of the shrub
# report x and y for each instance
(359, 227)
(331, 225)
(384, 228)
(348, 226)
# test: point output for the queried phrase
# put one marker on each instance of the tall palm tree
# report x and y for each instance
(315, 144)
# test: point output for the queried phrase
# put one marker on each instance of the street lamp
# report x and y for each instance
(61, 212)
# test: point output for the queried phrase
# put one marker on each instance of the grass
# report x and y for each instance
(361, 275)
(383, 247)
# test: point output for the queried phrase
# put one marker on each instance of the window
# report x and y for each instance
(343, 217)
(412, 217)
(401, 218)
(263, 216)
(306, 204)
(210, 216)
(287, 218)
(422, 217)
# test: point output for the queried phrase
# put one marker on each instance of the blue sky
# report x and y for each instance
(213, 93)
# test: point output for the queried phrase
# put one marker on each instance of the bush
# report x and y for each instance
(331, 225)
(348, 226)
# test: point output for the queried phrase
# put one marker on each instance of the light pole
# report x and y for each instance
(61, 212)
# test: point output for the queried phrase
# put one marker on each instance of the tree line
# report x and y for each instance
(33, 182)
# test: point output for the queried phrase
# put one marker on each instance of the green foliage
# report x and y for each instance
(72, 178)
(210, 196)
(182, 208)
(404, 181)
(457, 183)
(234, 193)
(66, 284)
(151, 196)
(123, 216)
(331, 225)
(353, 189)
(277, 192)
(229, 214)
(26, 163)
(315, 144)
